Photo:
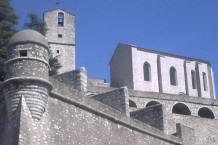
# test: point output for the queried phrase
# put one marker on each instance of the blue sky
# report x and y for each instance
(184, 27)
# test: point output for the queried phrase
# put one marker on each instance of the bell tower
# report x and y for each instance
(61, 37)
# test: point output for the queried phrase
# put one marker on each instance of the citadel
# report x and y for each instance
(154, 98)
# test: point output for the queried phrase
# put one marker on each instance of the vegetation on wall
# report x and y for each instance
(36, 24)
(54, 66)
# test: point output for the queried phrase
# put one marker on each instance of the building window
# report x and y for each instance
(23, 53)
(173, 76)
(60, 19)
(205, 81)
(59, 35)
(193, 79)
(58, 51)
(147, 71)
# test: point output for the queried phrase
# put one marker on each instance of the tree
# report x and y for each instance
(37, 24)
(8, 20)
(54, 66)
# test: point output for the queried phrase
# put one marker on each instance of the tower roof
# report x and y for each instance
(59, 9)
(28, 36)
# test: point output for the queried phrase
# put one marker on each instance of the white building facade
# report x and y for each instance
(152, 71)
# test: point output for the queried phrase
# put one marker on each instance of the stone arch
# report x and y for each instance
(181, 108)
(151, 103)
(205, 113)
(132, 104)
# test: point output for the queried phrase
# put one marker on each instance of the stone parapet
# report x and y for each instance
(186, 133)
(71, 97)
(153, 115)
(76, 79)
(117, 99)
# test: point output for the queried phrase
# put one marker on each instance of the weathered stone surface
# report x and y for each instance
(71, 108)
(89, 117)
(187, 134)
(77, 79)
(28, 36)
(85, 127)
(153, 115)
(118, 99)
(97, 82)
(205, 130)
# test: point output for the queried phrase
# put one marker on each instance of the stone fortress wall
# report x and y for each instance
(58, 108)
(200, 114)
(71, 108)
(143, 102)
(131, 74)
(97, 123)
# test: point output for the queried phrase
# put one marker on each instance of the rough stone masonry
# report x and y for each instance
(139, 107)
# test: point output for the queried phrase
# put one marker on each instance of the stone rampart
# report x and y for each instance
(118, 99)
(153, 115)
(76, 79)
(95, 123)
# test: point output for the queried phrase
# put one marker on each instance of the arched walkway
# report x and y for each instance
(151, 103)
(206, 113)
(181, 108)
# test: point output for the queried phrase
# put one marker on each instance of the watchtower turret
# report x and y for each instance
(27, 73)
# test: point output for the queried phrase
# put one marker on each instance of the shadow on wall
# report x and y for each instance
(151, 103)
(132, 104)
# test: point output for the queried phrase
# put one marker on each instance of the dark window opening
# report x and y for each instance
(205, 81)
(58, 52)
(59, 35)
(147, 71)
(132, 104)
(152, 103)
(60, 19)
(23, 53)
(181, 108)
(193, 79)
(173, 76)
(206, 113)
